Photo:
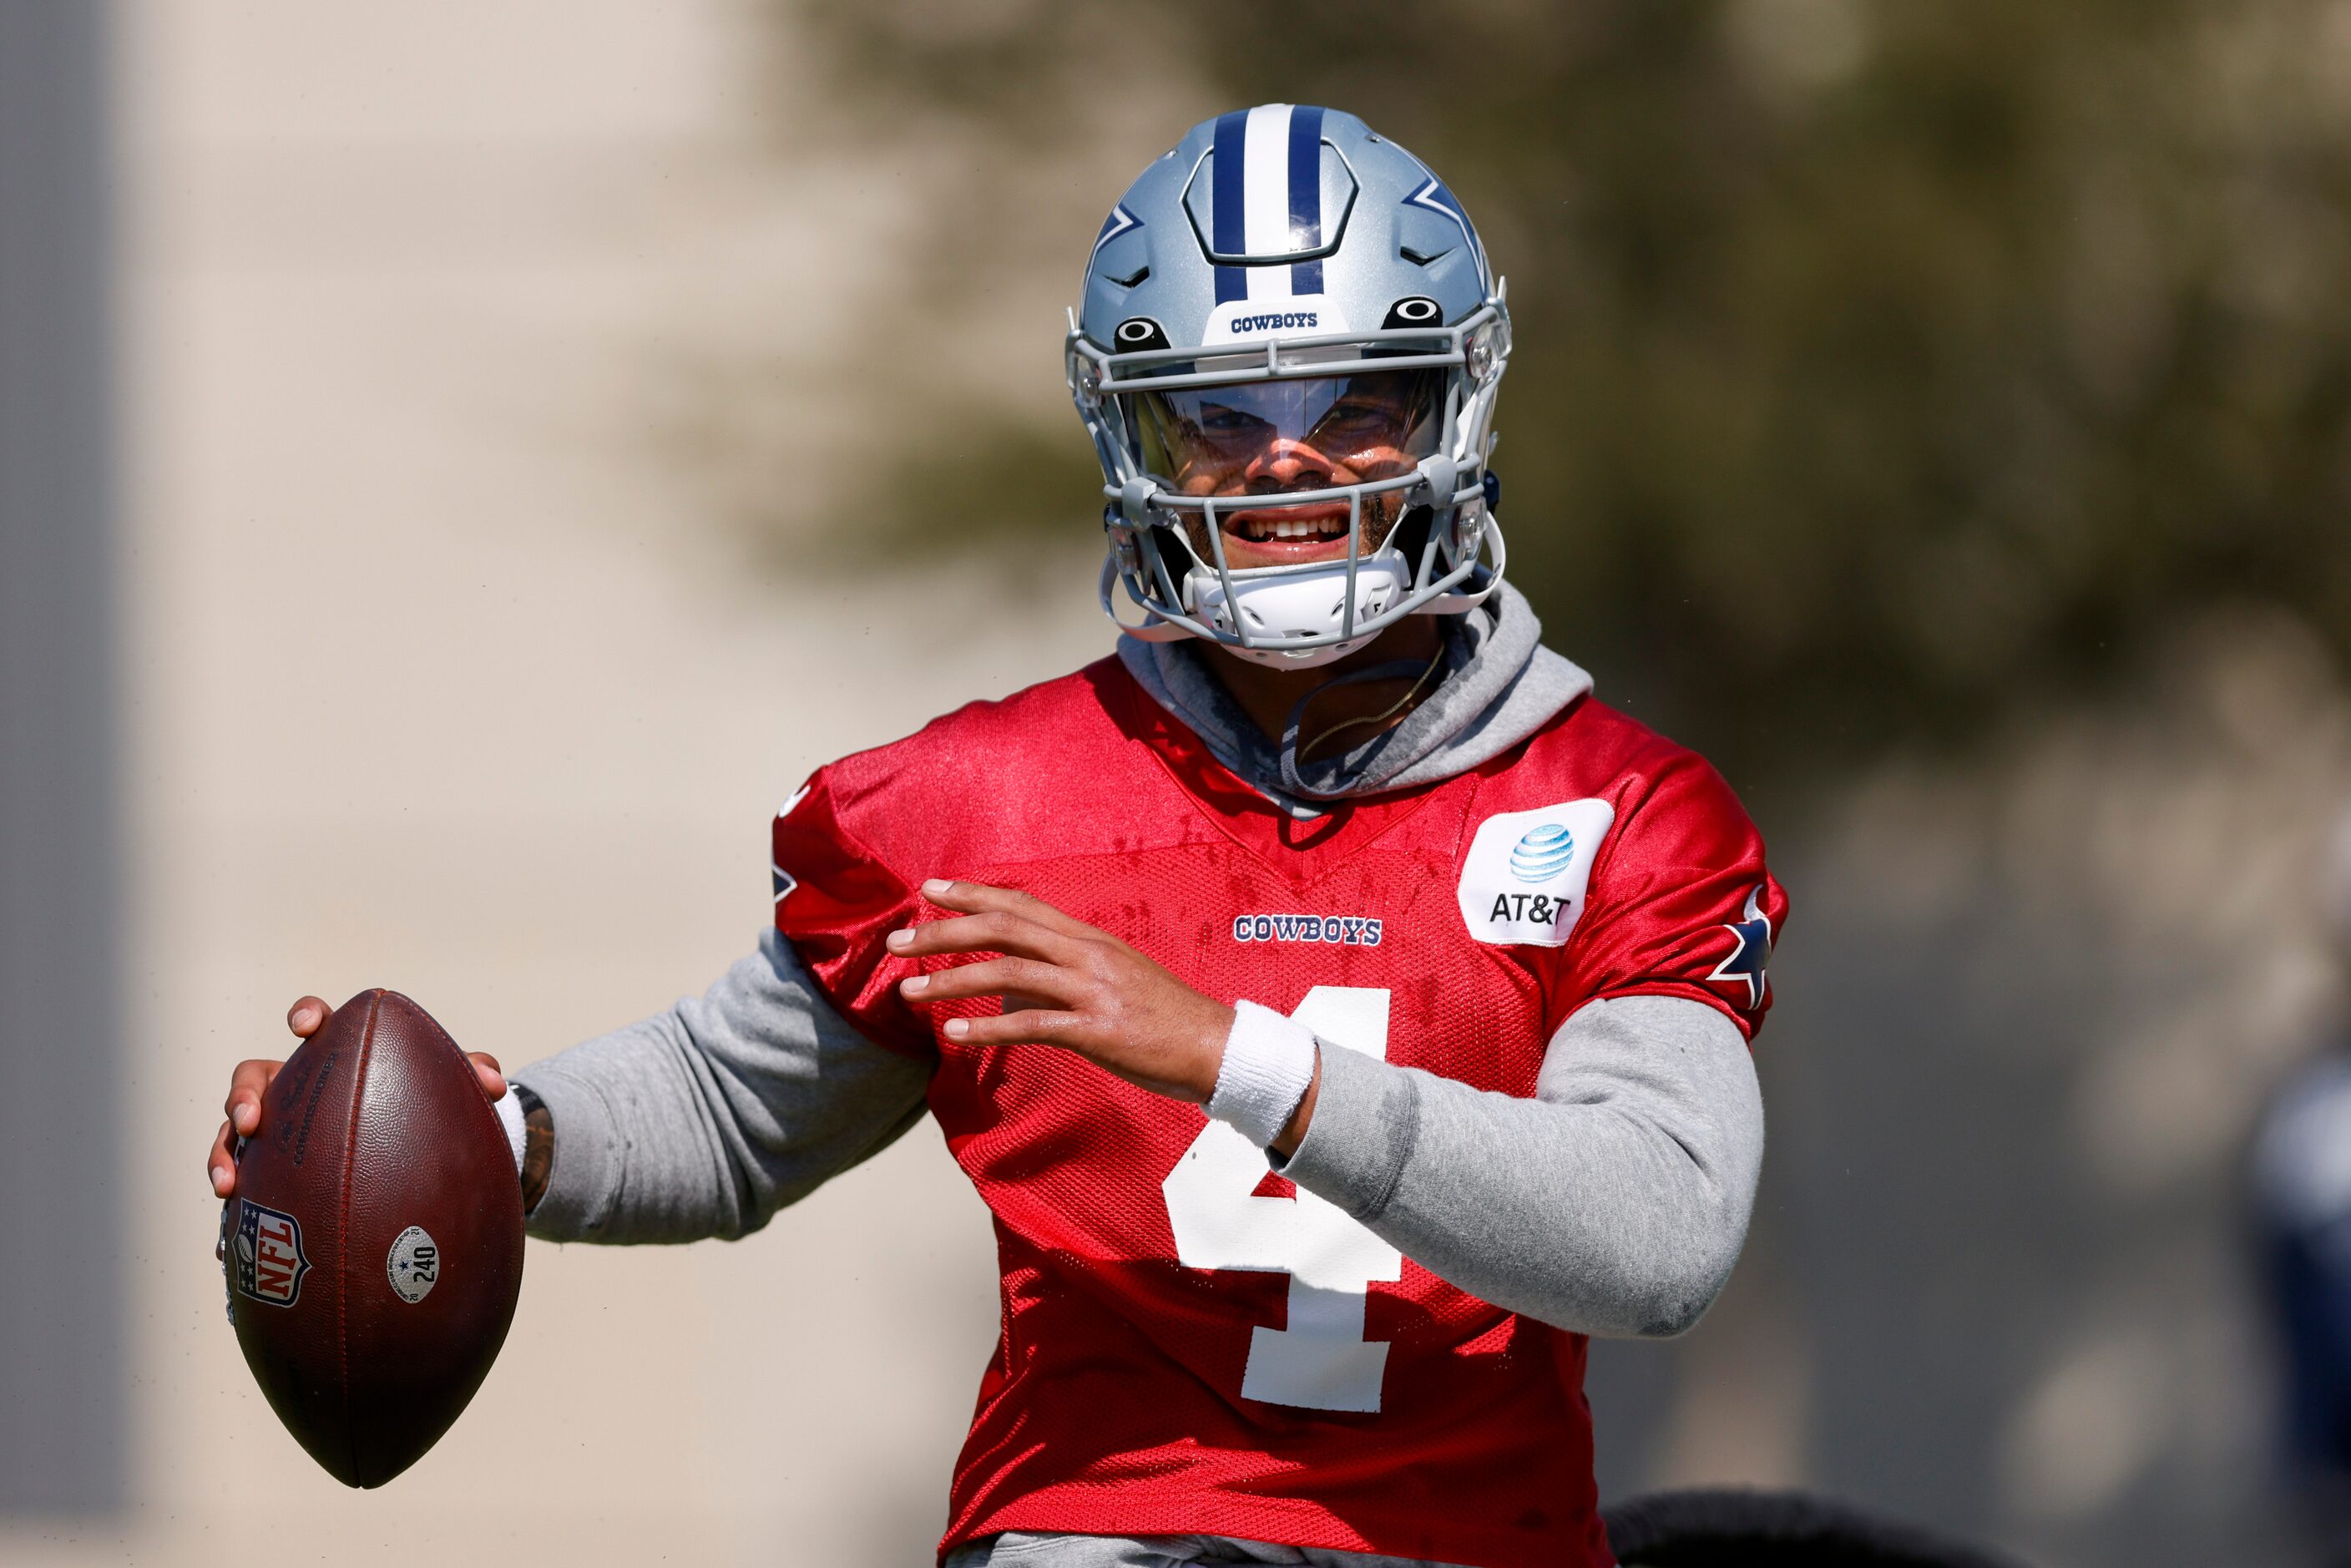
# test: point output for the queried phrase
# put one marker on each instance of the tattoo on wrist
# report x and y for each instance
(538, 1148)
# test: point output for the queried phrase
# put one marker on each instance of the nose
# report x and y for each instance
(1285, 462)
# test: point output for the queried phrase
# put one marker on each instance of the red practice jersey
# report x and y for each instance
(1192, 1345)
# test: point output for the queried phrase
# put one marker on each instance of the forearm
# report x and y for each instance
(706, 1119)
(1614, 1202)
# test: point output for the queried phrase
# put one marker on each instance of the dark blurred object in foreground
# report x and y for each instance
(2302, 1220)
(2303, 1230)
(2303, 1199)
(1736, 1528)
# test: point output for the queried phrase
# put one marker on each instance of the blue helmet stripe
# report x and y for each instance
(1306, 196)
(1229, 170)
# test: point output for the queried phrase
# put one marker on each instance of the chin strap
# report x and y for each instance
(1152, 629)
(1395, 670)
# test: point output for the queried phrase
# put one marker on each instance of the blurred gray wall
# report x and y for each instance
(2030, 1003)
(61, 1326)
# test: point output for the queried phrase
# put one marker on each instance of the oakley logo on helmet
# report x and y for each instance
(1139, 334)
(1416, 310)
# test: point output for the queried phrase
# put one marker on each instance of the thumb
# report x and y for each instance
(487, 1073)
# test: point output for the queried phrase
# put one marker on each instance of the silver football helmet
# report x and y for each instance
(1287, 358)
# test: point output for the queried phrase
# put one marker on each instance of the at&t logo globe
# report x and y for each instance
(1543, 853)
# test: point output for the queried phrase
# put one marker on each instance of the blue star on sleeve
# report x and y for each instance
(1750, 949)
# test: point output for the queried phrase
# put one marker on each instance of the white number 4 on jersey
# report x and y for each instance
(1322, 1361)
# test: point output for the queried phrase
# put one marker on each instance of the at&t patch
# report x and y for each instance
(1523, 880)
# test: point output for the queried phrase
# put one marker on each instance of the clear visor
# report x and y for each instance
(1270, 437)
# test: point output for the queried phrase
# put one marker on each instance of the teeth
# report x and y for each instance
(1287, 530)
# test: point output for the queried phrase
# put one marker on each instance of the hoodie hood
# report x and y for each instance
(1497, 686)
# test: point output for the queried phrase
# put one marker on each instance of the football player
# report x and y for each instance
(1342, 1012)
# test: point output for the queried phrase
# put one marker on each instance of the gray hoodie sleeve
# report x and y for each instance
(706, 1119)
(1614, 1202)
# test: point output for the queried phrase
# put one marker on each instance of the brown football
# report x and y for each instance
(374, 1246)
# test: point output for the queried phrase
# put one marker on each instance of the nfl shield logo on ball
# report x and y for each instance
(267, 1261)
(414, 1265)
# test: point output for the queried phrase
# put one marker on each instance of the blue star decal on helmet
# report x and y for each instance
(1436, 198)
(1120, 221)
(1750, 949)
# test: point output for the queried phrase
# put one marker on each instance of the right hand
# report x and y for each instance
(245, 1085)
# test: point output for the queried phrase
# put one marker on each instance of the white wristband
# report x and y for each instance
(1269, 1065)
(509, 1109)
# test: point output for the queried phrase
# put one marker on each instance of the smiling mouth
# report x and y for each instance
(1304, 525)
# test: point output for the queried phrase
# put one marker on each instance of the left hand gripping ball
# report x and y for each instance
(374, 1246)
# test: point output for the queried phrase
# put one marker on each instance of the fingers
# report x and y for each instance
(245, 1087)
(993, 931)
(487, 1073)
(978, 897)
(993, 977)
(219, 1166)
(308, 1017)
(1033, 1027)
(252, 1079)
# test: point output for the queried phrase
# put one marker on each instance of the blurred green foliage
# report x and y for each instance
(1882, 364)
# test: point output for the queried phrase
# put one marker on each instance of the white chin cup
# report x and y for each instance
(1286, 601)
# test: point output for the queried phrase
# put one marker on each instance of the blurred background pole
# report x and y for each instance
(61, 1221)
